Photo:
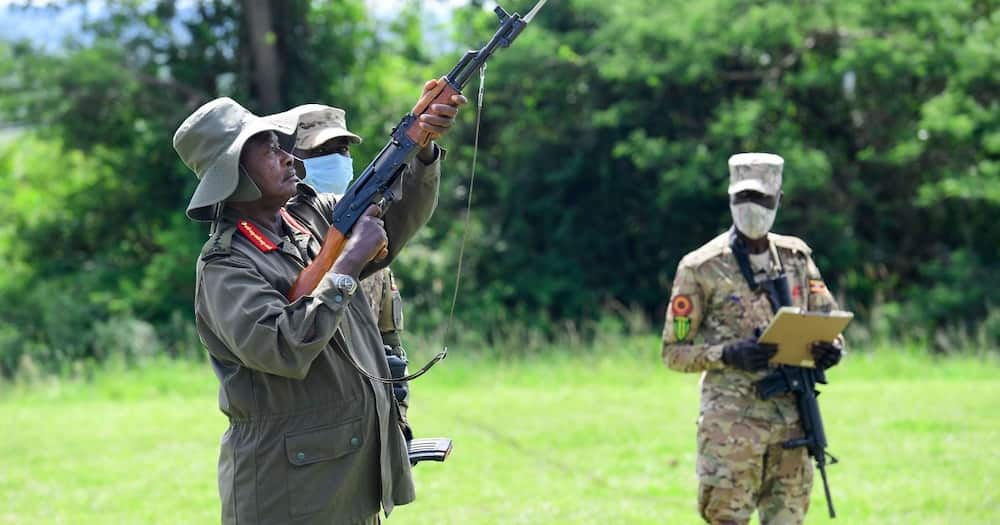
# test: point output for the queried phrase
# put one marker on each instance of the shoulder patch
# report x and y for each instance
(681, 305)
(707, 252)
(256, 237)
(219, 244)
(791, 243)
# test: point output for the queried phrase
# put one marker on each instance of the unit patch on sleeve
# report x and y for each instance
(817, 286)
(681, 306)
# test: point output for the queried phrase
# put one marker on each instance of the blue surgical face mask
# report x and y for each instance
(329, 173)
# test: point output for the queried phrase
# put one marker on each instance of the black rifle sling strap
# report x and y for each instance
(776, 289)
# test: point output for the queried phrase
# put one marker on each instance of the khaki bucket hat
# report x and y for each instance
(210, 141)
(755, 171)
(318, 123)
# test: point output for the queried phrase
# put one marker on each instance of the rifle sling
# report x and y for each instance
(458, 272)
(776, 289)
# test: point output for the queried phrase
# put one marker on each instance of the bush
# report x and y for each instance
(125, 338)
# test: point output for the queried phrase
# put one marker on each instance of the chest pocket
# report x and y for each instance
(730, 298)
(733, 311)
(736, 310)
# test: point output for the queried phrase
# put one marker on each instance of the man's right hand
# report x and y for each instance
(748, 354)
(368, 241)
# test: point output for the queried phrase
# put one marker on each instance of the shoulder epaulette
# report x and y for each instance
(708, 251)
(791, 243)
(255, 236)
(219, 244)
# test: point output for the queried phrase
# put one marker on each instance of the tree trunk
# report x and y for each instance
(266, 66)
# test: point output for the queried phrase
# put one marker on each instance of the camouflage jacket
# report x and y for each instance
(711, 305)
(386, 303)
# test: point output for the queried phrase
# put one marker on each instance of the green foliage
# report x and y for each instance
(93, 233)
(606, 130)
(609, 132)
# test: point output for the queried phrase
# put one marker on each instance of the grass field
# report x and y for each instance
(602, 437)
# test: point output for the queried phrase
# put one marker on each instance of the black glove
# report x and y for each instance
(397, 369)
(748, 354)
(826, 354)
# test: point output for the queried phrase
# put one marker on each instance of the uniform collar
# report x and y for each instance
(266, 240)
(777, 266)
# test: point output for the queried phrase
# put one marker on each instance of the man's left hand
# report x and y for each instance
(439, 117)
(826, 354)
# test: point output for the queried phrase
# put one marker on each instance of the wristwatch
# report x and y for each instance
(345, 283)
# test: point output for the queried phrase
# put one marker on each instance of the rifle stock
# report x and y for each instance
(309, 278)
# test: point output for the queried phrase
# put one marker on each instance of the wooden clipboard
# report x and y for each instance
(794, 331)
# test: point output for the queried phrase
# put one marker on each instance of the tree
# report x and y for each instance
(94, 219)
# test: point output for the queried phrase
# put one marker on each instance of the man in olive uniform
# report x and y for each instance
(310, 439)
(715, 313)
(323, 145)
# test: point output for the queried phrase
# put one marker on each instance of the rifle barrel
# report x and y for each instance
(373, 186)
(821, 466)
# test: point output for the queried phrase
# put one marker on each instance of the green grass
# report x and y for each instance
(605, 436)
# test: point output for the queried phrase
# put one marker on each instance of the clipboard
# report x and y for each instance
(793, 330)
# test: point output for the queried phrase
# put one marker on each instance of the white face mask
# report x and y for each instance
(329, 173)
(751, 219)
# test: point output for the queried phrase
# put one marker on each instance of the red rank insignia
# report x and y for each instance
(257, 238)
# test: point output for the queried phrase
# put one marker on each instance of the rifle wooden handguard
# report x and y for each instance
(311, 275)
(441, 94)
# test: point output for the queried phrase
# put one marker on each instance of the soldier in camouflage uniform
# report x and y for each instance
(323, 145)
(387, 305)
(711, 327)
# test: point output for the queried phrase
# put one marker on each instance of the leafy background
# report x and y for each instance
(605, 134)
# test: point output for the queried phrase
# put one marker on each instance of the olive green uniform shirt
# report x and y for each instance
(310, 440)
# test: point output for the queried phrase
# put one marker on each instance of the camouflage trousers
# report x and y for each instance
(742, 467)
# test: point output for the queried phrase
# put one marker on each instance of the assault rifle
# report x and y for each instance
(378, 182)
(802, 382)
